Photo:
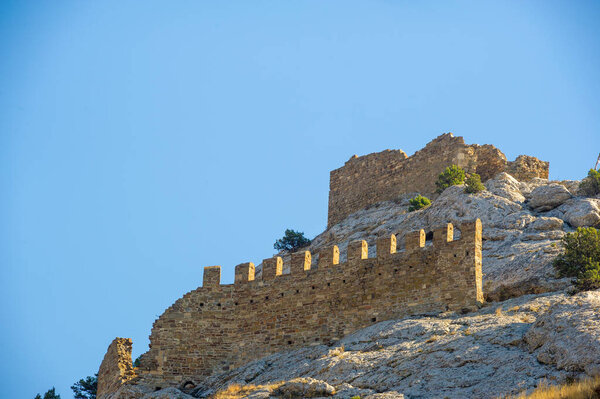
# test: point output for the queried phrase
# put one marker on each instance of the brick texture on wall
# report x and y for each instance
(116, 368)
(218, 327)
(386, 175)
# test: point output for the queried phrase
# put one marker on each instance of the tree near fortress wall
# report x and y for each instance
(291, 241)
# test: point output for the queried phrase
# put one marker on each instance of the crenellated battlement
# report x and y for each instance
(220, 326)
(300, 262)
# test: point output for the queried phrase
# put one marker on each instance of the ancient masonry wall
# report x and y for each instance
(116, 367)
(386, 175)
(219, 327)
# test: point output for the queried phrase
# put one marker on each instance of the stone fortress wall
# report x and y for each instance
(116, 368)
(219, 327)
(386, 175)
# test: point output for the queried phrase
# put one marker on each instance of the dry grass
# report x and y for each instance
(433, 338)
(339, 351)
(237, 391)
(585, 389)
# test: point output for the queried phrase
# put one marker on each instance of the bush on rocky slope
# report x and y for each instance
(419, 202)
(581, 258)
(590, 186)
(452, 176)
(473, 184)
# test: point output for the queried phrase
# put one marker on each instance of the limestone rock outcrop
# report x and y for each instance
(580, 212)
(506, 186)
(304, 388)
(547, 197)
(568, 334)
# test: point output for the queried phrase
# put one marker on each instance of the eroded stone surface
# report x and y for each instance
(547, 197)
(580, 212)
(568, 334)
(304, 388)
(116, 367)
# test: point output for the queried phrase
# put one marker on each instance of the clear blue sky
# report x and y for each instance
(141, 141)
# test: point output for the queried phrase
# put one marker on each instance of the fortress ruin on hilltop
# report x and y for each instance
(218, 327)
(384, 176)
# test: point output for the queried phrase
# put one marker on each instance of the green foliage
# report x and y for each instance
(452, 176)
(473, 184)
(419, 202)
(50, 394)
(581, 258)
(136, 362)
(291, 241)
(86, 388)
(589, 279)
(590, 186)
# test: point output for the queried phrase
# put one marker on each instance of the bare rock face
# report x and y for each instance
(129, 391)
(168, 393)
(387, 395)
(580, 212)
(568, 334)
(506, 186)
(304, 388)
(544, 223)
(545, 198)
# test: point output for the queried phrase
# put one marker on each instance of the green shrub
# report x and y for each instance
(581, 258)
(473, 184)
(452, 176)
(590, 278)
(291, 241)
(590, 186)
(419, 202)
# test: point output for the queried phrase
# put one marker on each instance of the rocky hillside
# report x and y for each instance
(529, 330)
(522, 227)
